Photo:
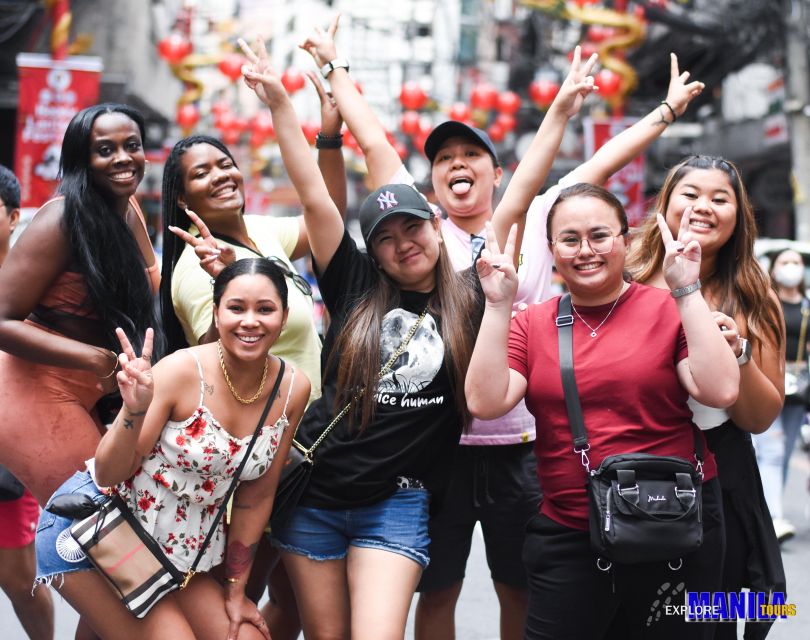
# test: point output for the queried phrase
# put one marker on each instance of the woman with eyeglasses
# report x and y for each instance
(638, 354)
(706, 195)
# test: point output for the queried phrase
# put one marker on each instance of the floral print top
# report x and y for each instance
(178, 489)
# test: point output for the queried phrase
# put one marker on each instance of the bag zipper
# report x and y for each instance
(607, 509)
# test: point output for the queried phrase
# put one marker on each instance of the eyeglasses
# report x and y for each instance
(600, 242)
(302, 285)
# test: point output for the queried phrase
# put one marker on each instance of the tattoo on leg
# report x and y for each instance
(238, 558)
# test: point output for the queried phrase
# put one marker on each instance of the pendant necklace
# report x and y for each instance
(599, 326)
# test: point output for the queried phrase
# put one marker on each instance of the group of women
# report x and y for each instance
(427, 345)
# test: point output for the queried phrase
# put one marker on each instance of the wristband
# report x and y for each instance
(671, 110)
(328, 142)
(685, 291)
(330, 66)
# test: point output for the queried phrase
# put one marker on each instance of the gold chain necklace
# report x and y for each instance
(228, 378)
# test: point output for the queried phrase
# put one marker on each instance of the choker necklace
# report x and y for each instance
(599, 326)
(228, 378)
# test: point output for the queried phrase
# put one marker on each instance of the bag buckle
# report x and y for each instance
(189, 575)
(583, 454)
(564, 321)
(699, 468)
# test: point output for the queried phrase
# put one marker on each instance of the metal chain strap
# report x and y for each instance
(385, 369)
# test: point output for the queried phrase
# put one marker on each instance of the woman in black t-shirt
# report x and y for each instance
(775, 446)
(356, 545)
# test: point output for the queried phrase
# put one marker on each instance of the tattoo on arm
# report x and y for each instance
(209, 388)
(662, 121)
(238, 558)
(128, 424)
(128, 416)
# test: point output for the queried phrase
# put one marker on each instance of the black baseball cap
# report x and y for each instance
(452, 129)
(390, 200)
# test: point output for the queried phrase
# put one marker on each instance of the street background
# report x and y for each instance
(477, 612)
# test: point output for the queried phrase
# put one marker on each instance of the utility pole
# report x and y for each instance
(797, 106)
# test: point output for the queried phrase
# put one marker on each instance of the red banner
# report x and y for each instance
(627, 184)
(51, 93)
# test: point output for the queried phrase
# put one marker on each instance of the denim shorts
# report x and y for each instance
(57, 552)
(398, 524)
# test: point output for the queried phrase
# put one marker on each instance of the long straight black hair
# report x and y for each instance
(172, 245)
(103, 248)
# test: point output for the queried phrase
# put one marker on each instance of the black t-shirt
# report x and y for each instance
(793, 325)
(416, 427)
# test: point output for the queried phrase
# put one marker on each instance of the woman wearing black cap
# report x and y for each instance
(357, 543)
(493, 480)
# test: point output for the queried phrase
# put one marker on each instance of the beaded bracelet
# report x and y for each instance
(328, 142)
(671, 110)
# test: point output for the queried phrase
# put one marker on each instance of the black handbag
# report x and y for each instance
(642, 507)
(299, 463)
(118, 546)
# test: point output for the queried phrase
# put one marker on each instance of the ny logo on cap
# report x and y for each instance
(386, 200)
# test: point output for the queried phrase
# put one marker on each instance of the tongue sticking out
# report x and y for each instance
(460, 188)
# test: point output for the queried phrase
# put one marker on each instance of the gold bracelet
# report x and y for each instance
(114, 369)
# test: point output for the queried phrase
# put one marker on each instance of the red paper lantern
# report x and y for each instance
(459, 111)
(587, 49)
(350, 142)
(257, 139)
(220, 107)
(543, 92)
(224, 121)
(496, 132)
(262, 124)
(419, 141)
(310, 130)
(506, 121)
(187, 116)
(409, 122)
(508, 102)
(609, 82)
(174, 47)
(231, 66)
(231, 136)
(241, 124)
(412, 96)
(293, 80)
(483, 96)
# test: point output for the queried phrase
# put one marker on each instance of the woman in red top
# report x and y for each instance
(638, 353)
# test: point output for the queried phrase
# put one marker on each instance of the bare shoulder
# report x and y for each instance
(300, 390)
(176, 372)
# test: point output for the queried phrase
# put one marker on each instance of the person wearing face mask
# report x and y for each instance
(775, 445)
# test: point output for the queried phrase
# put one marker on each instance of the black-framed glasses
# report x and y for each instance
(299, 281)
(600, 242)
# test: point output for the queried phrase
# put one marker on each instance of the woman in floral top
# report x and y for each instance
(171, 455)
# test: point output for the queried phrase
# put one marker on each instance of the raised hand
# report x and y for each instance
(135, 377)
(321, 43)
(331, 120)
(259, 74)
(214, 256)
(680, 94)
(496, 269)
(577, 84)
(682, 257)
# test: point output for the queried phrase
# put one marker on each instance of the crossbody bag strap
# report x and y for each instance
(803, 331)
(385, 369)
(565, 339)
(238, 472)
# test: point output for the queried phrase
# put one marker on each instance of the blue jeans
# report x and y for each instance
(57, 552)
(774, 448)
(398, 524)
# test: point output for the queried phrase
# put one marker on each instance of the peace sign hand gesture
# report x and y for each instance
(321, 43)
(331, 120)
(135, 377)
(577, 84)
(214, 256)
(260, 75)
(496, 270)
(680, 93)
(682, 257)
